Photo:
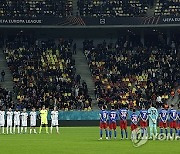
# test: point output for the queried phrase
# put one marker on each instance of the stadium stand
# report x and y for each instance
(132, 75)
(112, 8)
(44, 73)
(35, 8)
(166, 7)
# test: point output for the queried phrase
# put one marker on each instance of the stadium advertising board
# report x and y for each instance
(91, 21)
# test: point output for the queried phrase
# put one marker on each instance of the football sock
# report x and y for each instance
(51, 129)
(25, 129)
(114, 133)
(133, 134)
(122, 133)
(106, 132)
(40, 129)
(18, 129)
(151, 131)
(3, 130)
(22, 129)
(101, 133)
(46, 129)
(171, 132)
(166, 132)
(10, 129)
(57, 129)
(142, 132)
(161, 131)
(14, 129)
(110, 133)
(30, 130)
(35, 130)
(145, 132)
(7, 130)
(155, 130)
(176, 130)
(126, 133)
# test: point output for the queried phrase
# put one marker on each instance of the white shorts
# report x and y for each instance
(33, 123)
(9, 123)
(16, 123)
(54, 123)
(24, 124)
(2, 123)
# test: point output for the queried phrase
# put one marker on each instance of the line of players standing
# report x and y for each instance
(19, 120)
(166, 117)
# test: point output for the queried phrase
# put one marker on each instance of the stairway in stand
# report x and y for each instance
(83, 70)
(8, 80)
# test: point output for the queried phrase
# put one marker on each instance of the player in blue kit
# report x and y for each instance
(173, 115)
(179, 123)
(103, 121)
(163, 118)
(143, 116)
(123, 113)
(112, 122)
(134, 124)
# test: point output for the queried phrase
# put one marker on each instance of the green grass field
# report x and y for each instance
(79, 140)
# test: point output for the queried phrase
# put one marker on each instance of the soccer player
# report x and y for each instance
(43, 115)
(103, 121)
(16, 121)
(179, 123)
(33, 116)
(24, 117)
(163, 117)
(134, 124)
(2, 119)
(143, 121)
(123, 113)
(9, 120)
(153, 116)
(112, 122)
(173, 115)
(54, 120)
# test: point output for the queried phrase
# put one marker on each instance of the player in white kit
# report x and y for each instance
(33, 116)
(9, 115)
(16, 121)
(24, 117)
(2, 119)
(54, 119)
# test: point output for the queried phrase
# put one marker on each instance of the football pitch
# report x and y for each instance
(80, 140)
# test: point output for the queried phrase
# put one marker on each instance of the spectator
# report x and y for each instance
(74, 48)
(159, 101)
(2, 75)
(78, 79)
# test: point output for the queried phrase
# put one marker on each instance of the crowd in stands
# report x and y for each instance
(5, 97)
(128, 73)
(92, 8)
(35, 8)
(44, 74)
(167, 7)
(112, 8)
